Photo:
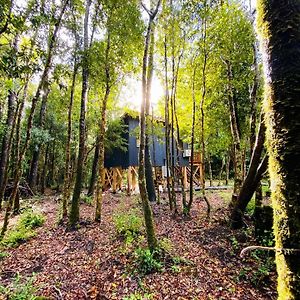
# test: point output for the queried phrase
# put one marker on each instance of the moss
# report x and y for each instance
(278, 25)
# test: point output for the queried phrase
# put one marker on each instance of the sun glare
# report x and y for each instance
(131, 94)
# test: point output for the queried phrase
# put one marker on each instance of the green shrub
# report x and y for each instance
(166, 245)
(128, 222)
(31, 220)
(17, 236)
(138, 296)
(87, 199)
(3, 255)
(20, 289)
(251, 206)
(24, 229)
(147, 261)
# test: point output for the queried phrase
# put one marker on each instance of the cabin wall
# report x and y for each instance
(130, 158)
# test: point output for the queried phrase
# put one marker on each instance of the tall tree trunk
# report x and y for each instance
(43, 181)
(19, 170)
(279, 23)
(256, 169)
(148, 214)
(188, 208)
(235, 132)
(33, 173)
(8, 133)
(221, 171)
(67, 175)
(228, 159)
(100, 183)
(148, 164)
(74, 211)
(253, 99)
(95, 167)
(6, 142)
(167, 126)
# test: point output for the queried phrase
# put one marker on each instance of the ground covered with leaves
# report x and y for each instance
(200, 256)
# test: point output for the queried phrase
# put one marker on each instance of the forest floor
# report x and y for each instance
(95, 262)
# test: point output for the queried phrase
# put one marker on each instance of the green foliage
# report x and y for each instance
(17, 236)
(87, 199)
(31, 220)
(266, 265)
(20, 289)
(138, 296)
(114, 136)
(128, 222)
(147, 261)
(166, 245)
(3, 255)
(251, 207)
(24, 230)
(234, 243)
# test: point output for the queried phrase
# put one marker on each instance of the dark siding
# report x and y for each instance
(130, 158)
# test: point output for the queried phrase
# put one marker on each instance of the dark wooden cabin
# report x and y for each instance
(129, 158)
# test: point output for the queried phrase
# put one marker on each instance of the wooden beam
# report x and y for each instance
(129, 181)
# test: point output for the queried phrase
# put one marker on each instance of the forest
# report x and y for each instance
(149, 149)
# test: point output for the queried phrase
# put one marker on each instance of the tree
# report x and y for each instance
(35, 100)
(148, 215)
(278, 24)
(74, 211)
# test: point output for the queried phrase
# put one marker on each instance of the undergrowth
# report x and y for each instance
(24, 229)
(20, 289)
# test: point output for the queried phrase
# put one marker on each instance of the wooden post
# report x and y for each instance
(134, 179)
(185, 181)
(129, 181)
(114, 180)
(119, 178)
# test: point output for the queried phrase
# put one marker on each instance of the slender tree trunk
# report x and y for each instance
(279, 23)
(148, 164)
(252, 179)
(210, 171)
(43, 181)
(8, 133)
(100, 183)
(167, 126)
(188, 208)
(228, 167)
(74, 212)
(32, 178)
(221, 171)
(253, 99)
(95, 167)
(67, 175)
(148, 215)
(202, 135)
(6, 142)
(235, 132)
(18, 171)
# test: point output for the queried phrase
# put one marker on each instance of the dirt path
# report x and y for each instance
(91, 263)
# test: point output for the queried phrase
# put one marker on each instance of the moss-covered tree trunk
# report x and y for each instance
(148, 163)
(74, 211)
(257, 168)
(102, 125)
(279, 25)
(67, 175)
(236, 136)
(6, 142)
(148, 215)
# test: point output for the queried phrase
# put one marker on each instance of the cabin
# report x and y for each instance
(117, 161)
